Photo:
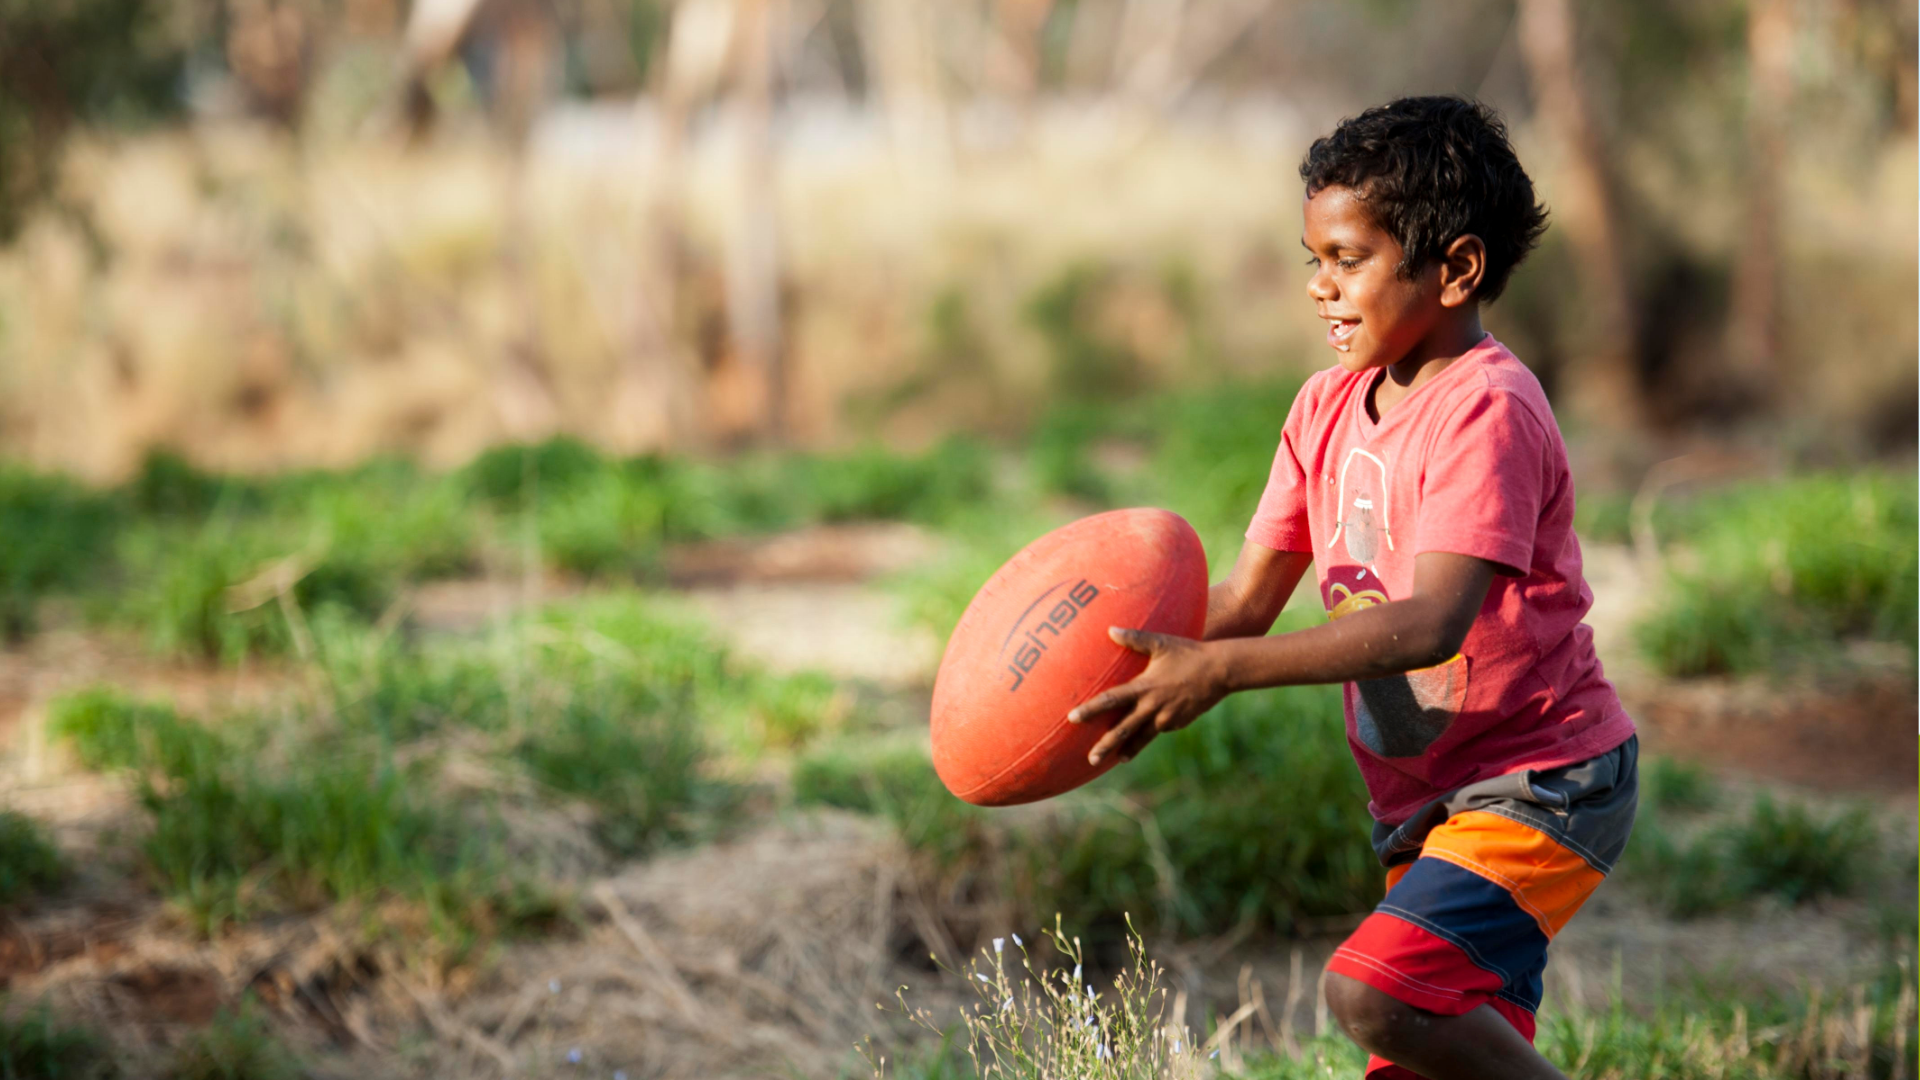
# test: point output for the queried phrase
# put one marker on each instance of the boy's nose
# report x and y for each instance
(1321, 287)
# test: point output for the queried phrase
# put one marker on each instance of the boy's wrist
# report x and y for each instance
(1224, 669)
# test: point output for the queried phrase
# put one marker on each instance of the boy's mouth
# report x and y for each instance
(1339, 331)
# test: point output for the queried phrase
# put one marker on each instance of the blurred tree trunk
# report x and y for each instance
(658, 391)
(753, 266)
(1148, 50)
(1018, 25)
(900, 53)
(1605, 382)
(1754, 333)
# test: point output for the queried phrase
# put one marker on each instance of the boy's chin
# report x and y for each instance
(1354, 360)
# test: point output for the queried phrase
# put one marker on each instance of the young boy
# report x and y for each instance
(1425, 480)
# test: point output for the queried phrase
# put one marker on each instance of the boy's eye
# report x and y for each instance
(1349, 264)
(1313, 260)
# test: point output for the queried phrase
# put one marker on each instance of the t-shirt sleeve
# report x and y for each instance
(1484, 483)
(1280, 521)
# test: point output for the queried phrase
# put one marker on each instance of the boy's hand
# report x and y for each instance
(1182, 681)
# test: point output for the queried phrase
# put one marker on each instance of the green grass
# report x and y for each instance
(1020, 1027)
(233, 837)
(1789, 852)
(227, 568)
(1768, 576)
(893, 778)
(642, 772)
(33, 1046)
(29, 863)
(237, 1045)
(1682, 787)
(614, 703)
(1254, 813)
(1721, 1039)
(58, 536)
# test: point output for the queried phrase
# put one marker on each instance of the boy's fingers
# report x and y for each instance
(1119, 736)
(1138, 640)
(1124, 694)
(1139, 742)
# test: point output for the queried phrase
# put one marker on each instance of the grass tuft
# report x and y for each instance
(641, 771)
(29, 863)
(232, 838)
(1774, 574)
(1788, 852)
(1682, 787)
(1253, 814)
(34, 1047)
(237, 1045)
(58, 535)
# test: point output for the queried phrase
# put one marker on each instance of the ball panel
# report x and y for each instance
(1033, 644)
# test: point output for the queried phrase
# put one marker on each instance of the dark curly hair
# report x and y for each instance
(1430, 170)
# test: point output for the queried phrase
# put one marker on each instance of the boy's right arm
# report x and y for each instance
(1250, 599)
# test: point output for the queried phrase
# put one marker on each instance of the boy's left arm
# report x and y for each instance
(1185, 678)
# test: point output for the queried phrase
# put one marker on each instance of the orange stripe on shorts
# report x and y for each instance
(1548, 881)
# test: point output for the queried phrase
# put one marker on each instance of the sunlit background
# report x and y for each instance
(484, 485)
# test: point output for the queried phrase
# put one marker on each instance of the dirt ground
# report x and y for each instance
(765, 953)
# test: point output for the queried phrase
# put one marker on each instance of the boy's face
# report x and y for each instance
(1374, 316)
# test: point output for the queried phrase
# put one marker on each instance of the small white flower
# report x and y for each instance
(1007, 1004)
(553, 986)
(1104, 1052)
(999, 944)
(1176, 1046)
(1213, 1055)
(619, 1074)
(1076, 974)
(1017, 941)
(981, 977)
(573, 1056)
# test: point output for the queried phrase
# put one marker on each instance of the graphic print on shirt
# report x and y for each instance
(1395, 716)
(1363, 523)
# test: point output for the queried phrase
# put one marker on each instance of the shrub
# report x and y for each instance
(1683, 787)
(641, 770)
(874, 483)
(168, 485)
(1254, 813)
(1214, 455)
(610, 525)
(894, 779)
(645, 640)
(57, 538)
(231, 837)
(1085, 359)
(29, 862)
(34, 1047)
(1779, 571)
(1687, 878)
(517, 475)
(237, 1045)
(1790, 852)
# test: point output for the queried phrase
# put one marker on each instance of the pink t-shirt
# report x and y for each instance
(1470, 463)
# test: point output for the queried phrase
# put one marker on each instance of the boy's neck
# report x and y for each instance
(1449, 341)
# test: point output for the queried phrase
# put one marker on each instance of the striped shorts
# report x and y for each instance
(1480, 881)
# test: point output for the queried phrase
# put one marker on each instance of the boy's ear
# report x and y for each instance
(1462, 266)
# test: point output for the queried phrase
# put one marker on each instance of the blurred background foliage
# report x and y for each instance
(280, 233)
